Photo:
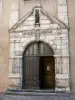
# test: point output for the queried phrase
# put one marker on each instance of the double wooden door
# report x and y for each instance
(38, 72)
(38, 66)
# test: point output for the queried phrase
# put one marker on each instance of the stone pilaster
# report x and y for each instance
(14, 13)
(62, 71)
(62, 11)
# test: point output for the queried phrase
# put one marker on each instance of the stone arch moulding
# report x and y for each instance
(25, 44)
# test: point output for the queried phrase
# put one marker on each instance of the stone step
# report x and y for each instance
(37, 95)
(54, 96)
(30, 90)
(33, 92)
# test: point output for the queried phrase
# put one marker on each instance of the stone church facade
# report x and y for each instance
(38, 31)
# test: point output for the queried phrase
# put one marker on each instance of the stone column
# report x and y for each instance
(62, 11)
(13, 78)
(14, 13)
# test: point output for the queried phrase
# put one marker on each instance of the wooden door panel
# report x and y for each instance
(48, 72)
(31, 72)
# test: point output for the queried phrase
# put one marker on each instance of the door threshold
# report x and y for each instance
(33, 90)
(46, 91)
(39, 90)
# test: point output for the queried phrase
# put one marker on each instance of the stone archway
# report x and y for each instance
(38, 64)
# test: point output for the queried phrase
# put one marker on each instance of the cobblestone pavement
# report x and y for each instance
(48, 97)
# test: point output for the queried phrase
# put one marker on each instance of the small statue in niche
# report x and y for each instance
(37, 17)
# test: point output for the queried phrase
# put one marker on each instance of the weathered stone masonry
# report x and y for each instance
(52, 31)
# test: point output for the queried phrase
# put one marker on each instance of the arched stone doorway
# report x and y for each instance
(38, 66)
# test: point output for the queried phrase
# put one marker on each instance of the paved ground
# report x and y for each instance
(37, 98)
(1, 96)
(40, 97)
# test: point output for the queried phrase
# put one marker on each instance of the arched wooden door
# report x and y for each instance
(38, 66)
